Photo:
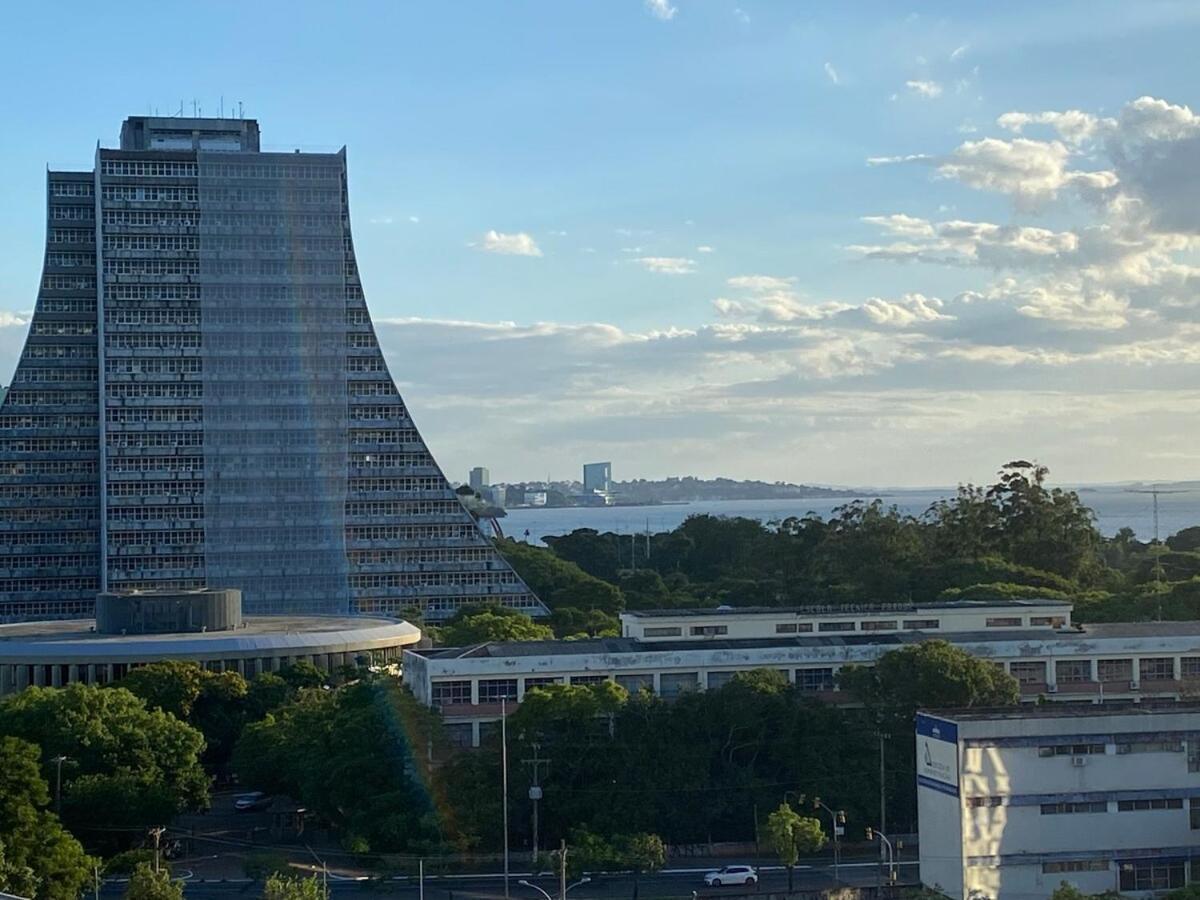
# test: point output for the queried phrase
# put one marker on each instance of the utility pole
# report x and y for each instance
(157, 834)
(535, 793)
(58, 761)
(562, 870)
(504, 779)
(882, 794)
(96, 882)
(421, 879)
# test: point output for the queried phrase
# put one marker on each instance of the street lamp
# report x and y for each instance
(58, 761)
(530, 884)
(837, 820)
(873, 833)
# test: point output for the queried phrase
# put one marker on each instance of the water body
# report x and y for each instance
(1114, 509)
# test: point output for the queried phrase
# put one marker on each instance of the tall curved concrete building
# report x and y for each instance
(201, 400)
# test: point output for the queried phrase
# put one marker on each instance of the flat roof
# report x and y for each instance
(1082, 635)
(843, 609)
(62, 640)
(1148, 707)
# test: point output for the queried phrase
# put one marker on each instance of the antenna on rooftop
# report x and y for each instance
(240, 116)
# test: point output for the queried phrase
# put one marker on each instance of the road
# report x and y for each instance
(674, 883)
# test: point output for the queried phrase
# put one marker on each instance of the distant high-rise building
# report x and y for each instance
(597, 477)
(479, 478)
(201, 400)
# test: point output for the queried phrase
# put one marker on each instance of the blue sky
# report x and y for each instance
(690, 267)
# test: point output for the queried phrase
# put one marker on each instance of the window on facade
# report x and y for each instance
(1194, 814)
(1072, 750)
(1029, 672)
(672, 684)
(493, 690)
(922, 624)
(588, 679)
(1150, 747)
(1052, 621)
(719, 679)
(1193, 755)
(835, 626)
(1144, 805)
(814, 679)
(1065, 809)
(541, 681)
(459, 734)
(1115, 669)
(663, 632)
(1189, 666)
(981, 802)
(1156, 669)
(635, 683)
(1003, 622)
(1072, 671)
(1152, 874)
(881, 625)
(1074, 865)
(793, 627)
(709, 630)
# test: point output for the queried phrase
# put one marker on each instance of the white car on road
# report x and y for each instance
(731, 875)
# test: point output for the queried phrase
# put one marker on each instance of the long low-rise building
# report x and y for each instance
(772, 621)
(1014, 802)
(1081, 664)
(205, 627)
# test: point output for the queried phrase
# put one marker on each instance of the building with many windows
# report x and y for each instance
(1053, 662)
(1012, 803)
(201, 400)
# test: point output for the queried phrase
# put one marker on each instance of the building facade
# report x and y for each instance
(597, 477)
(940, 617)
(1012, 803)
(202, 402)
(479, 478)
(1089, 664)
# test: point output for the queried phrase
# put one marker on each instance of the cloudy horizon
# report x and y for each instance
(993, 261)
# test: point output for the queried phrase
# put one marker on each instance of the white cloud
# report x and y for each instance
(911, 309)
(959, 52)
(668, 265)
(741, 15)
(1074, 126)
(928, 89)
(661, 9)
(900, 224)
(1031, 171)
(518, 244)
(761, 282)
(381, 220)
(704, 248)
(891, 160)
(414, 219)
(831, 73)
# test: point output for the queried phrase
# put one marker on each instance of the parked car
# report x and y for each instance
(253, 801)
(731, 875)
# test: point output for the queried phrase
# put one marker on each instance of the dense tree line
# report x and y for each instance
(712, 765)
(1017, 538)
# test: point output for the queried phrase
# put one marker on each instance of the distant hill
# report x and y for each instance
(689, 489)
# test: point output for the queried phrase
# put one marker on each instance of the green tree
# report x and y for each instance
(125, 761)
(932, 674)
(792, 835)
(282, 887)
(303, 674)
(38, 857)
(147, 884)
(171, 685)
(643, 853)
(478, 625)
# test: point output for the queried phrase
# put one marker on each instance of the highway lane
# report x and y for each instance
(671, 883)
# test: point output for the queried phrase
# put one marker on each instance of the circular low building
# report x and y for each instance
(206, 627)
